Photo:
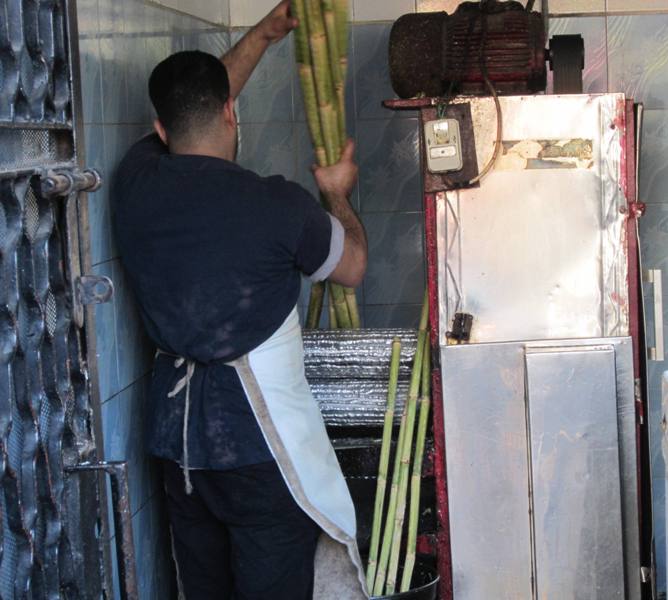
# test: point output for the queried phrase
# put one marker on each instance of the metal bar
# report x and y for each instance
(444, 554)
(653, 276)
(104, 550)
(63, 183)
(120, 497)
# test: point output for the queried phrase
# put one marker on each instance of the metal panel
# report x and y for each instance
(348, 373)
(572, 416)
(538, 251)
(488, 458)
(486, 453)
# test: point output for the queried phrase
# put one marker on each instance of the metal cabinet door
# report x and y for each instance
(541, 462)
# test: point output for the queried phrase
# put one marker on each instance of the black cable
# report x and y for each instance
(495, 97)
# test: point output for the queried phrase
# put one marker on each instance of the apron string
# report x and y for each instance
(182, 383)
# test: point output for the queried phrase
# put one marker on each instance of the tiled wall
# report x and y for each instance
(120, 42)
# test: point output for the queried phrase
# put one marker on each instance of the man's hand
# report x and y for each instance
(278, 23)
(336, 184)
(339, 179)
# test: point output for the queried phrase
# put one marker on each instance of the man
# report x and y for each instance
(215, 255)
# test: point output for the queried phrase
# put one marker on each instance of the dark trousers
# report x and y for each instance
(240, 535)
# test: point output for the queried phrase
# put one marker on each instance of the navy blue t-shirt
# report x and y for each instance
(214, 255)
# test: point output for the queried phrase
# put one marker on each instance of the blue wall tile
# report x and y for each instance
(111, 16)
(114, 57)
(396, 273)
(124, 441)
(654, 159)
(267, 96)
(135, 351)
(137, 73)
(91, 79)
(213, 41)
(638, 58)
(268, 148)
(153, 547)
(397, 315)
(98, 202)
(371, 71)
(88, 19)
(390, 177)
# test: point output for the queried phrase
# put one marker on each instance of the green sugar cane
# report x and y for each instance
(411, 408)
(416, 476)
(381, 482)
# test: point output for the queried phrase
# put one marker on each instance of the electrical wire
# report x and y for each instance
(490, 86)
(443, 104)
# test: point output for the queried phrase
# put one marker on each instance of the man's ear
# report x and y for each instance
(161, 131)
(229, 114)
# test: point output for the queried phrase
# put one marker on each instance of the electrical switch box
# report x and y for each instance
(444, 146)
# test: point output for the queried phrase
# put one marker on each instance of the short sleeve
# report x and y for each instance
(320, 243)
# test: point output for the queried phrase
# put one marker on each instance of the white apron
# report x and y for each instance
(274, 381)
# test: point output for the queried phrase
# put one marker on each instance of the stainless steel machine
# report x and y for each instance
(534, 276)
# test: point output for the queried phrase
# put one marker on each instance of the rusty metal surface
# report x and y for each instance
(122, 513)
(436, 54)
(51, 523)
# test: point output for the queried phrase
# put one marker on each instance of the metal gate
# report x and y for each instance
(50, 522)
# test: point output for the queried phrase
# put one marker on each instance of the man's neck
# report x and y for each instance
(202, 149)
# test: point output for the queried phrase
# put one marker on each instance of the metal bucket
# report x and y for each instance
(427, 581)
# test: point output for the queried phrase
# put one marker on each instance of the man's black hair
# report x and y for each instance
(188, 90)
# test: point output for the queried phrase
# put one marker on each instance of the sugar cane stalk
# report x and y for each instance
(323, 24)
(332, 25)
(333, 322)
(305, 67)
(405, 441)
(340, 306)
(341, 11)
(353, 310)
(315, 305)
(385, 448)
(407, 446)
(381, 568)
(416, 476)
(324, 83)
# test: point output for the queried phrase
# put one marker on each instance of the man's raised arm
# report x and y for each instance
(247, 52)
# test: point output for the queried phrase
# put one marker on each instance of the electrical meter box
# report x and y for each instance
(443, 145)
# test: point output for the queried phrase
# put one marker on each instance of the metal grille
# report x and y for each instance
(26, 149)
(44, 414)
(49, 521)
(34, 71)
